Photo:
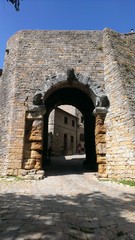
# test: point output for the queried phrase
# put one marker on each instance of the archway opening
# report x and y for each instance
(66, 131)
(82, 101)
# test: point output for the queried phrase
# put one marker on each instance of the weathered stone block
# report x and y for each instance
(22, 172)
(40, 172)
(38, 165)
(39, 177)
(101, 148)
(100, 129)
(30, 164)
(102, 169)
(36, 154)
(10, 172)
(100, 138)
(36, 146)
(101, 159)
(35, 136)
(37, 124)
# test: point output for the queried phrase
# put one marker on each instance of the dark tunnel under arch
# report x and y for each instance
(83, 102)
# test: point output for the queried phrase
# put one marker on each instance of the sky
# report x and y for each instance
(118, 15)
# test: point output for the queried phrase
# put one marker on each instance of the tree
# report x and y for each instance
(16, 3)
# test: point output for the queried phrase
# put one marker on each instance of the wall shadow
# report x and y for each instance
(83, 216)
(66, 165)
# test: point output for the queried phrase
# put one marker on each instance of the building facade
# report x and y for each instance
(66, 131)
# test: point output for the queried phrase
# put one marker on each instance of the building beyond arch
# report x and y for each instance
(92, 70)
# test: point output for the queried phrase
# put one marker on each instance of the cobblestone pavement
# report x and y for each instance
(70, 203)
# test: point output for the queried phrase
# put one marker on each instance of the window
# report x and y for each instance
(82, 137)
(82, 120)
(65, 144)
(73, 123)
(72, 139)
(65, 120)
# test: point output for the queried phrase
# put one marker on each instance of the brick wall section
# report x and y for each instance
(120, 88)
(47, 53)
(33, 55)
(8, 110)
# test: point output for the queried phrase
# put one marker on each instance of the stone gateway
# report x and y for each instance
(91, 70)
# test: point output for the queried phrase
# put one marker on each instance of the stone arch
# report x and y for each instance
(72, 79)
(91, 101)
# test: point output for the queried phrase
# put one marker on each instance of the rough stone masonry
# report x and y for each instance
(41, 68)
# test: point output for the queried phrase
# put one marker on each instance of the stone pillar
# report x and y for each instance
(100, 140)
(33, 143)
(33, 139)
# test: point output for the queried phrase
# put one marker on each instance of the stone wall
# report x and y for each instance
(11, 113)
(35, 60)
(119, 73)
(31, 57)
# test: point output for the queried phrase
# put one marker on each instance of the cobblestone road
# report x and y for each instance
(70, 203)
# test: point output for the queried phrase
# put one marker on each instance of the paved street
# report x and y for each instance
(70, 203)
